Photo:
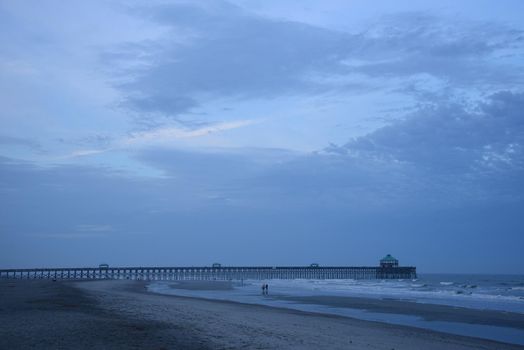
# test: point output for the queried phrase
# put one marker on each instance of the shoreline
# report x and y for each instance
(500, 326)
(427, 311)
(123, 314)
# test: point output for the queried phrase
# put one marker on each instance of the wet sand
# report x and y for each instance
(123, 315)
(202, 285)
(429, 312)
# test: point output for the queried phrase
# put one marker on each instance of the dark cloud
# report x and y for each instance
(452, 137)
(98, 140)
(162, 104)
(460, 52)
(221, 51)
(449, 154)
(230, 53)
(429, 35)
(19, 141)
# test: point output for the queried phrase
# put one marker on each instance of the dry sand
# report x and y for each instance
(122, 315)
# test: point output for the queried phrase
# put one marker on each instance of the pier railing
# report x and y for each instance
(212, 273)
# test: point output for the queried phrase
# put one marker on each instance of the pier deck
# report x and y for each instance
(213, 273)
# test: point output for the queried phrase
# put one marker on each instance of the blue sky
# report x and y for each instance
(262, 132)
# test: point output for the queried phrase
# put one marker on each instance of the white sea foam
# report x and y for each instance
(449, 293)
(471, 292)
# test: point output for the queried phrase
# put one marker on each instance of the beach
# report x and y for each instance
(124, 315)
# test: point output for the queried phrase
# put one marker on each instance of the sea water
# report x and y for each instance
(484, 292)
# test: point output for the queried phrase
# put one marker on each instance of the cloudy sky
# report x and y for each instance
(262, 132)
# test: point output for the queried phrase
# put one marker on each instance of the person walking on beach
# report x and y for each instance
(267, 289)
(263, 289)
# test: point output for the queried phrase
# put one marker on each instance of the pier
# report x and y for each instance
(212, 273)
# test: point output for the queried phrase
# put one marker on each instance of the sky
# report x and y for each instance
(168, 133)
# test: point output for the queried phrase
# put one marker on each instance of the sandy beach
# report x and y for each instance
(123, 315)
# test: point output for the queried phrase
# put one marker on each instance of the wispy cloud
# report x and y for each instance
(173, 133)
(84, 231)
(67, 236)
(164, 136)
(87, 152)
(94, 228)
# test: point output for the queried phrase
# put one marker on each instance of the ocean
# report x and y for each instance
(492, 296)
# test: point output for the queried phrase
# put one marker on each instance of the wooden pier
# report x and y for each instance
(213, 273)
